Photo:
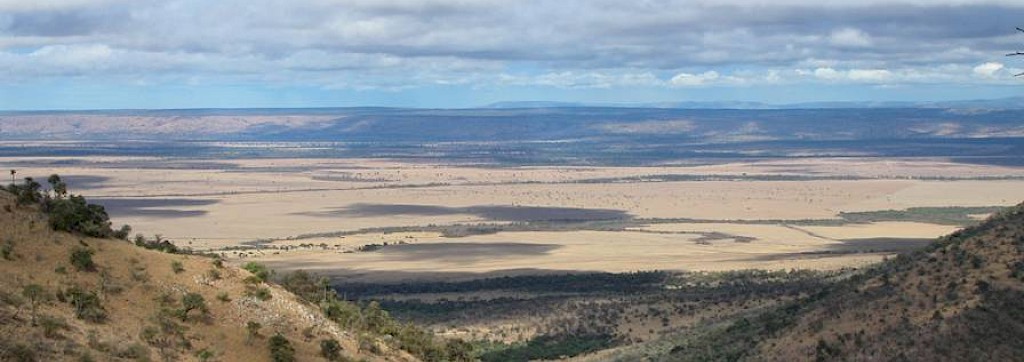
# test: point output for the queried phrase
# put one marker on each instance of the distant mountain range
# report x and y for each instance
(1000, 103)
(641, 125)
(562, 134)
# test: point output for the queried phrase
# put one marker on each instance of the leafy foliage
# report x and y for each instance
(371, 318)
(330, 349)
(258, 270)
(192, 302)
(67, 212)
(281, 349)
(86, 303)
(81, 259)
(551, 347)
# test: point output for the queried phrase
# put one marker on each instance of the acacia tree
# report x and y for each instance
(59, 187)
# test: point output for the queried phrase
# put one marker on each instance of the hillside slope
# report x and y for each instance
(133, 304)
(960, 299)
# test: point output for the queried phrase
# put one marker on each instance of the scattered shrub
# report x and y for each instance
(252, 330)
(177, 267)
(261, 293)
(87, 305)
(330, 349)
(192, 302)
(205, 355)
(35, 294)
(258, 270)
(281, 349)
(81, 259)
(213, 274)
(52, 326)
(223, 297)
(7, 249)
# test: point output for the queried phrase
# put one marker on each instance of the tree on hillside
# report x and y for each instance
(191, 302)
(60, 189)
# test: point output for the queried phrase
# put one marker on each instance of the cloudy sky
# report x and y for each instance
(66, 54)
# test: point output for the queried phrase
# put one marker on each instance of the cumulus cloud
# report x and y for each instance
(988, 70)
(567, 44)
(850, 37)
(688, 80)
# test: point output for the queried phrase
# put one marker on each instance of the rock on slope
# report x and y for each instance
(128, 306)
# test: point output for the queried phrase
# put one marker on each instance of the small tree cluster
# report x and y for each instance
(67, 212)
(157, 243)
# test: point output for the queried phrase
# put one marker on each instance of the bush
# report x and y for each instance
(223, 297)
(260, 293)
(191, 302)
(281, 349)
(258, 270)
(17, 352)
(158, 243)
(205, 354)
(52, 326)
(87, 305)
(81, 259)
(252, 330)
(75, 215)
(177, 267)
(7, 250)
(330, 349)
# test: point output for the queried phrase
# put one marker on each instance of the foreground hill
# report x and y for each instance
(69, 297)
(960, 299)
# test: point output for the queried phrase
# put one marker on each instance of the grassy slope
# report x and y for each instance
(130, 281)
(960, 299)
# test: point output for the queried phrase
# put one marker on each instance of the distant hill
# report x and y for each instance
(961, 299)
(550, 123)
(68, 296)
(987, 104)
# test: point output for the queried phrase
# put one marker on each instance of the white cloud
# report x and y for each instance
(690, 80)
(850, 37)
(827, 74)
(571, 44)
(869, 75)
(988, 70)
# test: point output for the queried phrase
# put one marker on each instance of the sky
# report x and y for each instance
(107, 54)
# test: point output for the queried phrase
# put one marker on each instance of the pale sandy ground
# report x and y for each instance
(882, 229)
(241, 200)
(235, 218)
(574, 251)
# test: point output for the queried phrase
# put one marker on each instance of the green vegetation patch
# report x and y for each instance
(551, 347)
(953, 215)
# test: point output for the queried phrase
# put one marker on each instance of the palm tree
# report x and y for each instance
(13, 172)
